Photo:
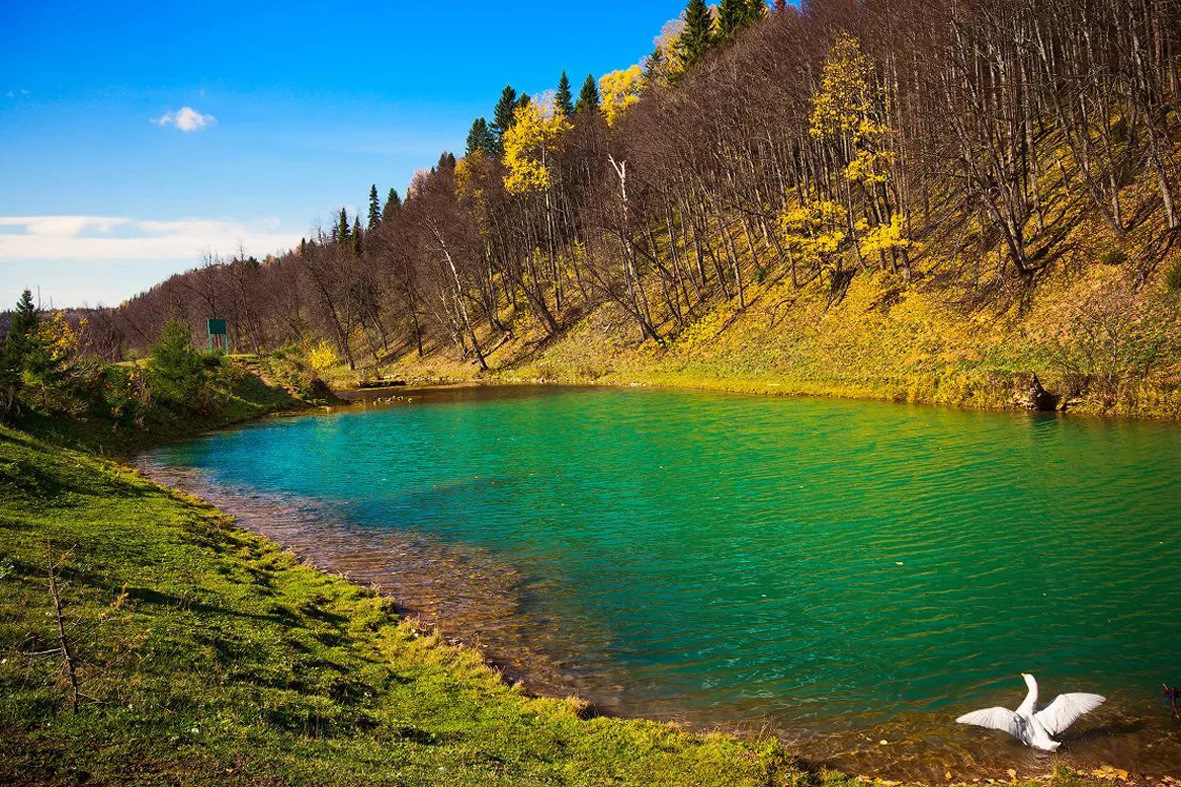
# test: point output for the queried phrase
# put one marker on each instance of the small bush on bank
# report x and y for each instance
(177, 374)
(1114, 256)
(1173, 278)
(299, 371)
(1113, 340)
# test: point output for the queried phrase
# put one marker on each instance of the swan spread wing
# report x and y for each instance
(1066, 710)
(1001, 719)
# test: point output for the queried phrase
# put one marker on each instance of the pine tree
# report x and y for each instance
(522, 101)
(22, 341)
(731, 16)
(26, 321)
(342, 228)
(564, 100)
(655, 66)
(392, 203)
(175, 372)
(502, 117)
(698, 35)
(23, 332)
(10, 381)
(480, 138)
(588, 98)
(374, 207)
(358, 236)
(756, 10)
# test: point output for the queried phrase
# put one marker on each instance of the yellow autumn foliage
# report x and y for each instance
(815, 230)
(869, 166)
(620, 90)
(466, 185)
(885, 237)
(843, 103)
(60, 339)
(535, 135)
(322, 357)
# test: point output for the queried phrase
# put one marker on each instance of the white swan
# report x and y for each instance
(1034, 727)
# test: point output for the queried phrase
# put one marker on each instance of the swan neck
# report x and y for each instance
(1031, 697)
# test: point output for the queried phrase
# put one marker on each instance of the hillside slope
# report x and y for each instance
(1096, 343)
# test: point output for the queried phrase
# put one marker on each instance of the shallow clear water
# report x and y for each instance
(840, 573)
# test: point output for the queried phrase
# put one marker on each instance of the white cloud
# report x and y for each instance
(62, 226)
(99, 238)
(185, 119)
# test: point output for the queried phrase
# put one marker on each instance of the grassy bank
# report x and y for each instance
(209, 656)
(205, 655)
(120, 414)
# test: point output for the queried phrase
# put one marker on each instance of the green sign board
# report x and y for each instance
(219, 335)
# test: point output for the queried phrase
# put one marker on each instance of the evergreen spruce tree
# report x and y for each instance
(474, 135)
(522, 101)
(10, 382)
(480, 138)
(358, 236)
(654, 64)
(731, 16)
(698, 35)
(374, 207)
(392, 203)
(502, 118)
(22, 339)
(25, 325)
(588, 98)
(756, 10)
(564, 99)
(342, 228)
(175, 372)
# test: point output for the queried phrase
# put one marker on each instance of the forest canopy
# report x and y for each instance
(954, 144)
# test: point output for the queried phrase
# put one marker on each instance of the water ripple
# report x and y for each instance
(842, 573)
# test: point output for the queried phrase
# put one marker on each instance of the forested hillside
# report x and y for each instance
(905, 198)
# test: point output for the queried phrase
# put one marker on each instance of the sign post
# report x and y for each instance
(219, 335)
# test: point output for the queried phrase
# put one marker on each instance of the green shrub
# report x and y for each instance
(1173, 278)
(176, 371)
(120, 394)
(1114, 256)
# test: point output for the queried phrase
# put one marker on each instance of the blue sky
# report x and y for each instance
(107, 187)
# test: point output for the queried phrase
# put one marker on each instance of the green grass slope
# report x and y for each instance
(240, 390)
(209, 656)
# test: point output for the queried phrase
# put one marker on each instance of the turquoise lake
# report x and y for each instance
(838, 573)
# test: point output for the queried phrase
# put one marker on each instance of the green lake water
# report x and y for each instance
(840, 573)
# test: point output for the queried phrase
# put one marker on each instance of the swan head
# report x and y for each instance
(1029, 680)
